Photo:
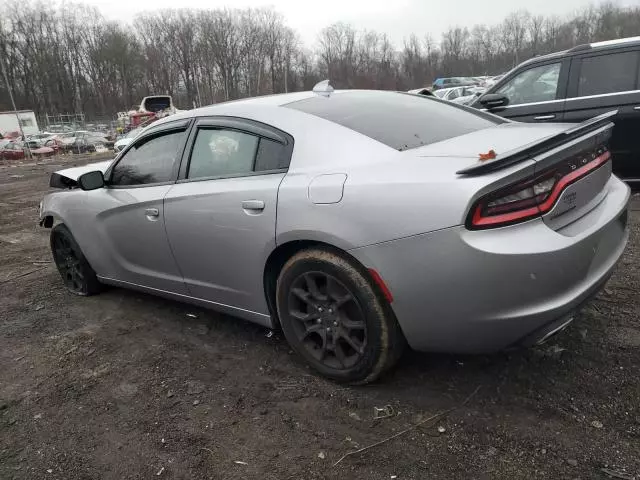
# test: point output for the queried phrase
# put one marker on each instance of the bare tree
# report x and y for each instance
(68, 58)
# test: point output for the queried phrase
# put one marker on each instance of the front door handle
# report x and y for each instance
(253, 205)
(545, 117)
(637, 108)
(152, 213)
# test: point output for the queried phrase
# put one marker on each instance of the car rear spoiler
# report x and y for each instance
(523, 153)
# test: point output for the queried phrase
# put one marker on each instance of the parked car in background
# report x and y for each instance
(126, 139)
(407, 183)
(81, 141)
(69, 137)
(452, 94)
(493, 80)
(86, 144)
(469, 95)
(54, 143)
(453, 82)
(17, 151)
(577, 84)
(59, 129)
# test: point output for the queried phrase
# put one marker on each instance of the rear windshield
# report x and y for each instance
(399, 120)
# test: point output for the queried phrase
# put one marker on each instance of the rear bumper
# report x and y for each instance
(480, 291)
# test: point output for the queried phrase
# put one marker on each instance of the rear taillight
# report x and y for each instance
(533, 197)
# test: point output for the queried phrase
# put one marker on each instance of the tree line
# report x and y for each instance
(68, 58)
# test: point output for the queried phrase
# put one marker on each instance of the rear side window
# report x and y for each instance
(398, 120)
(220, 152)
(608, 74)
(271, 156)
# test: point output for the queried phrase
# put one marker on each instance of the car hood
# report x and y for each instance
(66, 178)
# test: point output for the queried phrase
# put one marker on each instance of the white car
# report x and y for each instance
(468, 95)
(453, 93)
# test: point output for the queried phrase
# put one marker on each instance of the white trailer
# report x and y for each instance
(9, 122)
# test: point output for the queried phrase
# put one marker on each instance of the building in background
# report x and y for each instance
(9, 122)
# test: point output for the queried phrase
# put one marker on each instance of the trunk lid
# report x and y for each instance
(502, 138)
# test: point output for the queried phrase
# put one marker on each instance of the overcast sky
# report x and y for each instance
(398, 18)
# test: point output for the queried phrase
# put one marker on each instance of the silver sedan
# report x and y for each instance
(355, 221)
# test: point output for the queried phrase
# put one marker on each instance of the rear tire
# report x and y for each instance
(77, 275)
(334, 317)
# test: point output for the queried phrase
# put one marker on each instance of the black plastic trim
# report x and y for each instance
(525, 153)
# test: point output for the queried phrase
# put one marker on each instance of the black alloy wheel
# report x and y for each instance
(77, 275)
(331, 323)
(335, 316)
(68, 263)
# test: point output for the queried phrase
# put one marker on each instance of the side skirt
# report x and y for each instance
(255, 317)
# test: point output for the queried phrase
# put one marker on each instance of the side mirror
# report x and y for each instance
(91, 180)
(493, 101)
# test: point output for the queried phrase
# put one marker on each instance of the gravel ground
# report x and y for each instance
(126, 385)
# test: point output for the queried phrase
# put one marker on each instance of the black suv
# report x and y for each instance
(575, 85)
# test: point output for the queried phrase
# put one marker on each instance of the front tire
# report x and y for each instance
(333, 316)
(77, 275)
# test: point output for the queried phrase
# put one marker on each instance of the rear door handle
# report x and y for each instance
(637, 108)
(152, 212)
(254, 205)
(545, 117)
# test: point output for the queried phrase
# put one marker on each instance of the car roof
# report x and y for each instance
(255, 107)
(587, 47)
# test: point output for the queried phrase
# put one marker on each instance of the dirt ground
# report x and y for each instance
(125, 386)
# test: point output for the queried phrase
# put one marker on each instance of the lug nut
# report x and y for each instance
(319, 309)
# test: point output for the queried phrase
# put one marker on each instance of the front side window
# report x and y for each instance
(220, 152)
(608, 74)
(150, 160)
(538, 84)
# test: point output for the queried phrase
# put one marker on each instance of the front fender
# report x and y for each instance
(52, 209)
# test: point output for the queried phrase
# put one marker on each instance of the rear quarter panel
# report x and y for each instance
(387, 194)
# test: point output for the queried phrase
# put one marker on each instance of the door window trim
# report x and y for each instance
(157, 131)
(241, 125)
(536, 103)
(610, 94)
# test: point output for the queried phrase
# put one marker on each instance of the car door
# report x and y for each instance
(221, 214)
(535, 93)
(605, 81)
(126, 218)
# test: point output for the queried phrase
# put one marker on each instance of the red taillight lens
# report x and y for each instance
(534, 197)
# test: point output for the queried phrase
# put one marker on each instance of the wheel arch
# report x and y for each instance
(283, 252)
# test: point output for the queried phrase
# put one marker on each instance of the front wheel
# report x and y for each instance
(333, 316)
(78, 276)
